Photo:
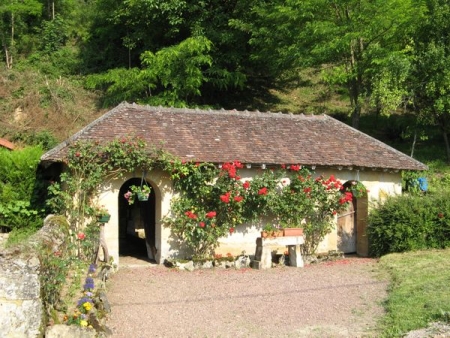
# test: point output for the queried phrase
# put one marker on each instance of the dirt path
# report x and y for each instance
(338, 299)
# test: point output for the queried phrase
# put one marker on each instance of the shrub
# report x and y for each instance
(21, 202)
(405, 223)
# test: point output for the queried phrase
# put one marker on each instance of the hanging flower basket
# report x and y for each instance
(102, 214)
(141, 193)
(142, 196)
(104, 218)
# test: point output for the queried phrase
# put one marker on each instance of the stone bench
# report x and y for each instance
(263, 255)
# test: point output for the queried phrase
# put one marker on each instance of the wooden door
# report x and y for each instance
(346, 230)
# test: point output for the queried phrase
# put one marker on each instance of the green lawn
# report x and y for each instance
(419, 291)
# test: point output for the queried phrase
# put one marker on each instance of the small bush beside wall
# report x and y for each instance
(22, 192)
(406, 223)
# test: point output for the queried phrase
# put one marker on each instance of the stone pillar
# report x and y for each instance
(295, 256)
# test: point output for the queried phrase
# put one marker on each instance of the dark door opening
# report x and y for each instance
(136, 224)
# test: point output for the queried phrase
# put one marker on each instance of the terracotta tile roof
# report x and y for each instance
(251, 137)
(6, 144)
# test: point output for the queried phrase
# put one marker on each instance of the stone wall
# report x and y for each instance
(21, 309)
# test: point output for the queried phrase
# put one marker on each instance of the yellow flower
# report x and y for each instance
(87, 306)
(83, 323)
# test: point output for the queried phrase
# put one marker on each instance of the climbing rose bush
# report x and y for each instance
(213, 201)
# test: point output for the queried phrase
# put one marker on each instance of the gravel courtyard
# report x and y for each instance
(332, 299)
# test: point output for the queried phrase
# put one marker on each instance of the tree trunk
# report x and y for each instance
(355, 116)
(414, 143)
(6, 50)
(447, 146)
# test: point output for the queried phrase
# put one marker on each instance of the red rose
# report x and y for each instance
(225, 198)
(191, 215)
(238, 198)
(246, 185)
(81, 236)
(262, 191)
(201, 224)
(231, 230)
(211, 214)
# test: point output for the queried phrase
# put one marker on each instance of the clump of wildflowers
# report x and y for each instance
(89, 284)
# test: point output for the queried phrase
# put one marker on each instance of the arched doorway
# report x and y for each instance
(346, 230)
(352, 223)
(137, 224)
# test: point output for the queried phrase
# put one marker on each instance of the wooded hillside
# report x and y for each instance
(65, 62)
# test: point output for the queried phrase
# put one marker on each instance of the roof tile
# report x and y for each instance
(251, 137)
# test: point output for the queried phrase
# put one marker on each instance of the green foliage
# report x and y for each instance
(15, 19)
(389, 88)
(169, 77)
(418, 292)
(19, 235)
(45, 139)
(91, 164)
(140, 192)
(53, 35)
(439, 176)
(407, 222)
(430, 76)
(178, 70)
(21, 188)
(120, 84)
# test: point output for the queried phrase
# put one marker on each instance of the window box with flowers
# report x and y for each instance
(141, 193)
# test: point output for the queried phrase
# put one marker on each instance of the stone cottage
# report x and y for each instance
(258, 140)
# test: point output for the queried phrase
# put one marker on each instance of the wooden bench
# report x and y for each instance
(263, 254)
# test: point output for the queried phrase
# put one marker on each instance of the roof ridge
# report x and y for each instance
(221, 111)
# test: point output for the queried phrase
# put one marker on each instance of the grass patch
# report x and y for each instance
(20, 235)
(419, 291)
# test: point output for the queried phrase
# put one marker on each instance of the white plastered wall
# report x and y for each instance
(109, 197)
(379, 183)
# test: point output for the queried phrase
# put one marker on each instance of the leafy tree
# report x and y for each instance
(430, 80)
(170, 76)
(54, 35)
(14, 23)
(125, 34)
(348, 40)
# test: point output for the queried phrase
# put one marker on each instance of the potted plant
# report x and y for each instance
(103, 215)
(271, 230)
(293, 231)
(141, 192)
